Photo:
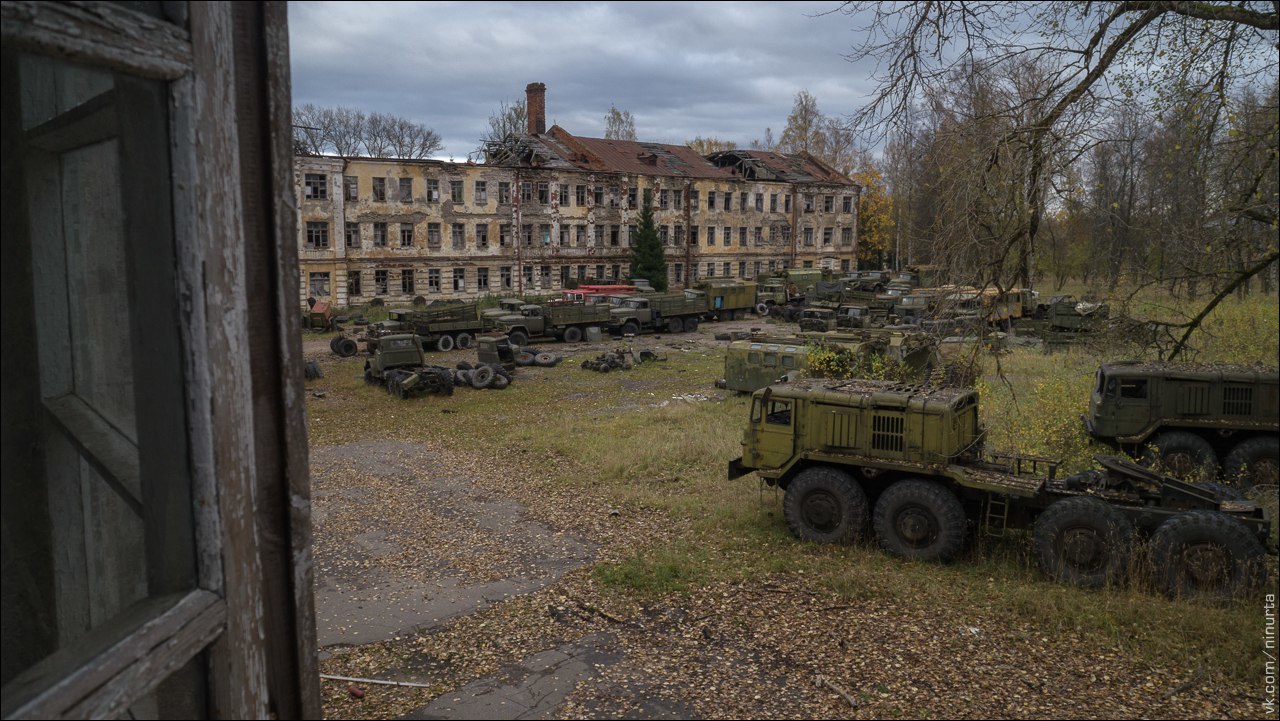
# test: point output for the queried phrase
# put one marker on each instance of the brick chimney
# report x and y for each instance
(536, 107)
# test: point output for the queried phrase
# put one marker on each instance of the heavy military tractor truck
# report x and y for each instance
(1192, 420)
(399, 364)
(907, 463)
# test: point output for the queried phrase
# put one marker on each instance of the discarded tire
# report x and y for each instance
(312, 371)
(762, 309)
(463, 366)
(462, 378)
(346, 347)
(482, 377)
(545, 360)
(524, 358)
(500, 382)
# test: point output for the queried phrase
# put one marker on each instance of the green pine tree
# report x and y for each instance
(647, 258)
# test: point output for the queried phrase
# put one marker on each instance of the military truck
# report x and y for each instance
(756, 362)
(506, 306)
(558, 319)
(399, 363)
(818, 319)
(495, 349)
(442, 327)
(670, 312)
(909, 463)
(1072, 316)
(1191, 420)
(727, 299)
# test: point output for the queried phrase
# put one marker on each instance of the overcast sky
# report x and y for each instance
(723, 69)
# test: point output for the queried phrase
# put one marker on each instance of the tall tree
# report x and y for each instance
(706, 146)
(805, 130)
(619, 124)
(506, 122)
(647, 259)
(350, 133)
(1089, 57)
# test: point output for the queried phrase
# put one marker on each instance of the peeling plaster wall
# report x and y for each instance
(573, 239)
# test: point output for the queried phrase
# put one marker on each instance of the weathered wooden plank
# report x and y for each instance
(116, 664)
(111, 454)
(102, 34)
(285, 248)
(237, 673)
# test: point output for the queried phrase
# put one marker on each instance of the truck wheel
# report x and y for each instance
(675, 325)
(690, 325)
(1253, 462)
(1083, 541)
(1206, 553)
(463, 341)
(825, 505)
(500, 382)
(333, 343)
(524, 358)
(1182, 454)
(921, 520)
(572, 334)
(444, 343)
(545, 360)
(369, 377)
(518, 338)
(630, 328)
(347, 347)
(482, 377)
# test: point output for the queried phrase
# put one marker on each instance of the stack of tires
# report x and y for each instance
(481, 376)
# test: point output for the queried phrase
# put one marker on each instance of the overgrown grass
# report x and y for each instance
(628, 437)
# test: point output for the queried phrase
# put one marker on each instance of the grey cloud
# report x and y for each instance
(683, 69)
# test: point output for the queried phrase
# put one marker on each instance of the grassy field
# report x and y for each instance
(657, 439)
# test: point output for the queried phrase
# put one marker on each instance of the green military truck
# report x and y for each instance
(506, 306)
(399, 364)
(559, 320)
(442, 326)
(727, 299)
(669, 312)
(759, 361)
(909, 463)
(1191, 420)
(817, 319)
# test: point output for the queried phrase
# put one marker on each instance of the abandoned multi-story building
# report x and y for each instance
(548, 209)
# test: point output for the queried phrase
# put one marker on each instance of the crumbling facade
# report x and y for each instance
(549, 208)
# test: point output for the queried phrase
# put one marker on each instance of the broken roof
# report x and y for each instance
(558, 148)
(768, 165)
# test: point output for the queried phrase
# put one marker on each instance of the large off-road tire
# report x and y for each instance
(444, 343)
(463, 341)
(545, 360)
(762, 309)
(482, 377)
(1182, 454)
(1083, 541)
(572, 334)
(630, 328)
(370, 378)
(501, 370)
(464, 366)
(524, 358)
(691, 325)
(518, 338)
(333, 343)
(920, 519)
(675, 325)
(346, 347)
(500, 382)
(1206, 553)
(825, 505)
(1253, 462)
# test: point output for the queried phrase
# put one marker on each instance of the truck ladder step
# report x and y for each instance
(997, 515)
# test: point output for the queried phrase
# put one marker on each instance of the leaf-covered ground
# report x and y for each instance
(602, 499)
